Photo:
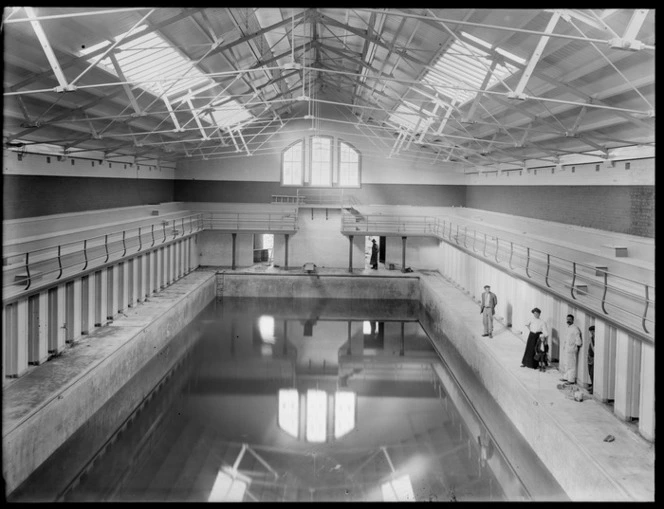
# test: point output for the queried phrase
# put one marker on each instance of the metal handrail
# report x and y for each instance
(258, 221)
(43, 258)
(526, 261)
(399, 224)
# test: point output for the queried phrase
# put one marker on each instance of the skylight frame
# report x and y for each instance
(167, 64)
(465, 66)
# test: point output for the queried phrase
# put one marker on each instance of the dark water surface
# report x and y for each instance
(294, 400)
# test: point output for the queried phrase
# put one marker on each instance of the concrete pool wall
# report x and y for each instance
(45, 407)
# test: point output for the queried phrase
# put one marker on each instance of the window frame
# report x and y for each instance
(359, 165)
(302, 168)
(331, 167)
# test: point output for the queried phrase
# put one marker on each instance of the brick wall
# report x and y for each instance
(40, 195)
(623, 209)
(369, 194)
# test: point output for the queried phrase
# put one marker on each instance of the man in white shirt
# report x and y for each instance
(570, 344)
(488, 309)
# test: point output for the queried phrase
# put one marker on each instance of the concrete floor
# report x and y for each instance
(628, 460)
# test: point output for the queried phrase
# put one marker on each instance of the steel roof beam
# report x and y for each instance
(74, 60)
(125, 85)
(363, 34)
(258, 33)
(534, 58)
(48, 51)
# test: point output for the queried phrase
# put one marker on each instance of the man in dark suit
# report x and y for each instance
(488, 308)
(374, 255)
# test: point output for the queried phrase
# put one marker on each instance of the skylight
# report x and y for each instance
(152, 63)
(150, 60)
(405, 116)
(464, 65)
(230, 113)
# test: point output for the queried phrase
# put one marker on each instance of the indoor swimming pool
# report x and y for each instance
(299, 400)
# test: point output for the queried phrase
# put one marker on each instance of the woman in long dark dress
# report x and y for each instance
(535, 326)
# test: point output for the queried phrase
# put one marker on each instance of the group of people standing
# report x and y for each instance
(536, 353)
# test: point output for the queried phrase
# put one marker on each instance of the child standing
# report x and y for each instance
(541, 351)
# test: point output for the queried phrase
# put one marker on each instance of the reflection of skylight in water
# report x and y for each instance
(344, 413)
(266, 328)
(398, 490)
(464, 65)
(405, 115)
(289, 411)
(316, 415)
(227, 489)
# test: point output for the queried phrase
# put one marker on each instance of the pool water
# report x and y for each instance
(303, 400)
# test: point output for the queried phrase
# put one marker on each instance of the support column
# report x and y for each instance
(286, 236)
(350, 253)
(178, 264)
(647, 402)
(113, 290)
(139, 278)
(167, 264)
(187, 255)
(76, 312)
(234, 235)
(123, 283)
(628, 367)
(171, 264)
(38, 324)
(101, 297)
(88, 295)
(403, 254)
(159, 268)
(15, 331)
(132, 278)
(148, 270)
(57, 319)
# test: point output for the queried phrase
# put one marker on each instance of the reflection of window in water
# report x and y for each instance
(316, 416)
(316, 413)
(374, 334)
(266, 329)
(398, 490)
(227, 488)
(344, 413)
(289, 411)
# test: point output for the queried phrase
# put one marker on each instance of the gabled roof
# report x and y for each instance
(480, 87)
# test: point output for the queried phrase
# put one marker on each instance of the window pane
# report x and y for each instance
(292, 165)
(321, 161)
(349, 166)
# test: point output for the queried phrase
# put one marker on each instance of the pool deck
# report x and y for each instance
(627, 462)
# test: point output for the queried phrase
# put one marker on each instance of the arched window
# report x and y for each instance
(292, 165)
(349, 166)
(321, 161)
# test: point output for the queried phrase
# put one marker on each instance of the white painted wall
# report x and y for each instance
(376, 167)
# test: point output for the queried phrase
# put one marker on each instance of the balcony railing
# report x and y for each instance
(625, 301)
(39, 268)
(332, 198)
(278, 222)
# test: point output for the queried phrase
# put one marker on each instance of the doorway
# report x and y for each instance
(263, 248)
(382, 244)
